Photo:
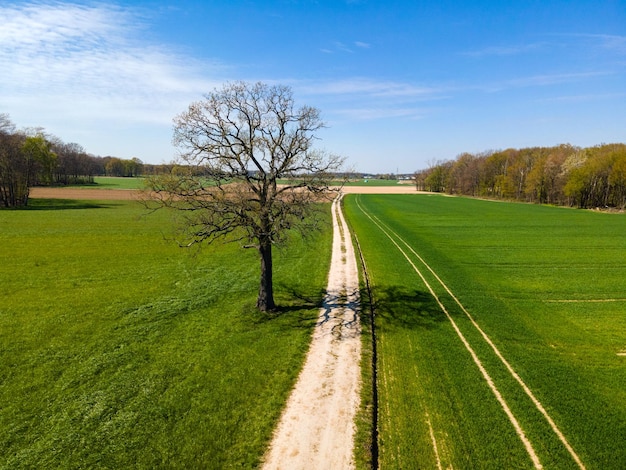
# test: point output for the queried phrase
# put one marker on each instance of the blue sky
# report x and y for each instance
(400, 84)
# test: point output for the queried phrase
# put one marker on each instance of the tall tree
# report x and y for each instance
(15, 167)
(617, 177)
(248, 171)
(38, 150)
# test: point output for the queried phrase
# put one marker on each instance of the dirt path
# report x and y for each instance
(316, 430)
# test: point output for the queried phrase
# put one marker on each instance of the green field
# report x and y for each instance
(120, 350)
(113, 182)
(545, 286)
(375, 182)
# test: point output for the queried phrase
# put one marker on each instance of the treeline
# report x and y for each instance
(31, 158)
(562, 175)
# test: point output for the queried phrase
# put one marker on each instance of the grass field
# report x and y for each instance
(120, 350)
(375, 182)
(544, 293)
(113, 182)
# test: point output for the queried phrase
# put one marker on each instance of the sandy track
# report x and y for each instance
(316, 430)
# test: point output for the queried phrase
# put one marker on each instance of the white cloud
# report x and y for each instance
(71, 60)
(372, 88)
(609, 42)
(363, 99)
(532, 81)
(367, 114)
(614, 43)
(582, 98)
(552, 79)
(505, 50)
(340, 47)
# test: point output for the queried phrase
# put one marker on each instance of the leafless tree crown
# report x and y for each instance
(247, 170)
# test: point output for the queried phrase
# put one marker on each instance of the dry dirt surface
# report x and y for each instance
(126, 194)
(316, 430)
(87, 193)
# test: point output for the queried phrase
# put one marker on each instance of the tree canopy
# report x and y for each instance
(31, 157)
(247, 172)
(564, 174)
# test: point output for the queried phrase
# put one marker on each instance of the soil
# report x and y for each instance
(86, 193)
(127, 194)
(316, 429)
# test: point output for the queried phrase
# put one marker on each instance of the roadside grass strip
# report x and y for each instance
(397, 241)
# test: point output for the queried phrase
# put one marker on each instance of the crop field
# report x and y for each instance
(376, 182)
(501, 332)
(118, 349)
(113, 182)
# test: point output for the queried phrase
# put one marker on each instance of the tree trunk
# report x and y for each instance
(265, 301)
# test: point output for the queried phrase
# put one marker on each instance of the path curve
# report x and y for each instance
(316, 430)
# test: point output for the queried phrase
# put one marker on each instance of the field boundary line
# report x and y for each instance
(516, 425)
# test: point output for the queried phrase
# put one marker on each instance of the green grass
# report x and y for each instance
(365, 438)
(545, 284)
(120, 350)
(374, 182)
(112, 182)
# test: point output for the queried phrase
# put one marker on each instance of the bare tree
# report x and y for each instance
(247, 171)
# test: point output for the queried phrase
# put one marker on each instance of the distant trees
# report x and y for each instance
(119, 167)
(564, 175)
(599, 179)
(38, 151)
(15, 167)
(74, 165)
(32, 158)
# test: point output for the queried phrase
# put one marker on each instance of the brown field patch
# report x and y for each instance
(128, 195)
(86, 193)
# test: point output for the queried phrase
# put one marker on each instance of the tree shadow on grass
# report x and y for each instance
(297, 307)
(64, 204)
(395, 307)
(400, 307)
